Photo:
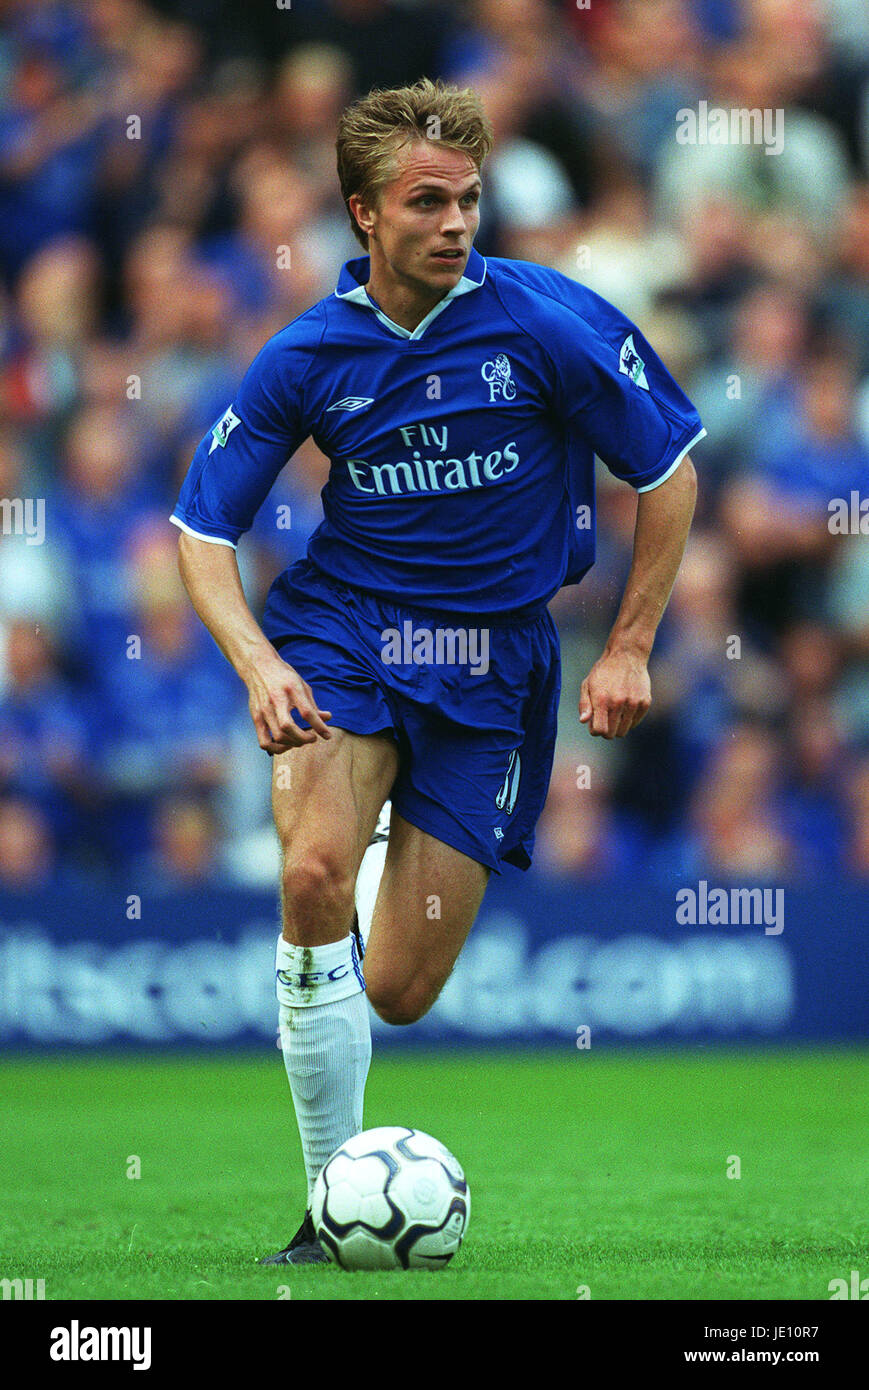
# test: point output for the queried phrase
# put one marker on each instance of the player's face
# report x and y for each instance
(421, 231)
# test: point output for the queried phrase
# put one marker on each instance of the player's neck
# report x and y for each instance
(406, 304)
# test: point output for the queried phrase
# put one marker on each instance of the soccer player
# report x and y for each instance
(411, 657)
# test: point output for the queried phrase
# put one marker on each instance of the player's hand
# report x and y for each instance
(274, 691)
(615, 695)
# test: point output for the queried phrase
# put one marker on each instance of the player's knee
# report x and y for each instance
(317, 891)
(400, 1004)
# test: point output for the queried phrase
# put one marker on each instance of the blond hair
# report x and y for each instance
(374, 128)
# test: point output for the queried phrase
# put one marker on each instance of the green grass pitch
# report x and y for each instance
(605, 1170)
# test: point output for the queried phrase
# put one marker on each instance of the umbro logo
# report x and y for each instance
(352, 403)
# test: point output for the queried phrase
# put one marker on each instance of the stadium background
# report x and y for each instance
(167, 201)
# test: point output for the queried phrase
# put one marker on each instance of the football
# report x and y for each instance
(391, 1198)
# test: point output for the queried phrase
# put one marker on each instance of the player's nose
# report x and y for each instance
(453, 220)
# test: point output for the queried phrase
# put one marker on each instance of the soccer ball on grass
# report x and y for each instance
(391, 1198)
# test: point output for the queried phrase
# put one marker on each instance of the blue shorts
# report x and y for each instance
(471, 702)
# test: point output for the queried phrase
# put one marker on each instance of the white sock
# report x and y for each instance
(367, 885)
(369, 876)
(326, 1042)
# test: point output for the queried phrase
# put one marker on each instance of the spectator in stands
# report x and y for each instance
(49, 150)
(35, 583)
(153, 689)
(579, 835)
(778, 516)
(808, 173)
(45, 755)
(845, 295)
(101, 497)
(749, 392)
(735, 823)
(856, 857)
(28, 862)
(816, 772)
(140, 272)
(185, 856)
(56, 313)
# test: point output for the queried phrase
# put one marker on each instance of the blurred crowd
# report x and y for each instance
(168, 200)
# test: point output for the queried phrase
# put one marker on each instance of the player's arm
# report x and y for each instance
(616, 693)
(211, 578)
(618, 396)
(229, 477)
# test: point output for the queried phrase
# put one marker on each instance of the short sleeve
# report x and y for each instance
(615, 393)
(236, 464)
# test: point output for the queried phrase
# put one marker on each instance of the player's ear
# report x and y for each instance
(362, 212)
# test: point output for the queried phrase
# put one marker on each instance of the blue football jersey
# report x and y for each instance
(462, 453)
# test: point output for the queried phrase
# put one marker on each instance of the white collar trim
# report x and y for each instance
(360, 295)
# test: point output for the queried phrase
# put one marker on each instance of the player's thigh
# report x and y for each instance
(429, 897)
(326, 797)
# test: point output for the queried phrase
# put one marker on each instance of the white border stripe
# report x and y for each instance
(212, 540)
(673, 466)
(359, 295)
